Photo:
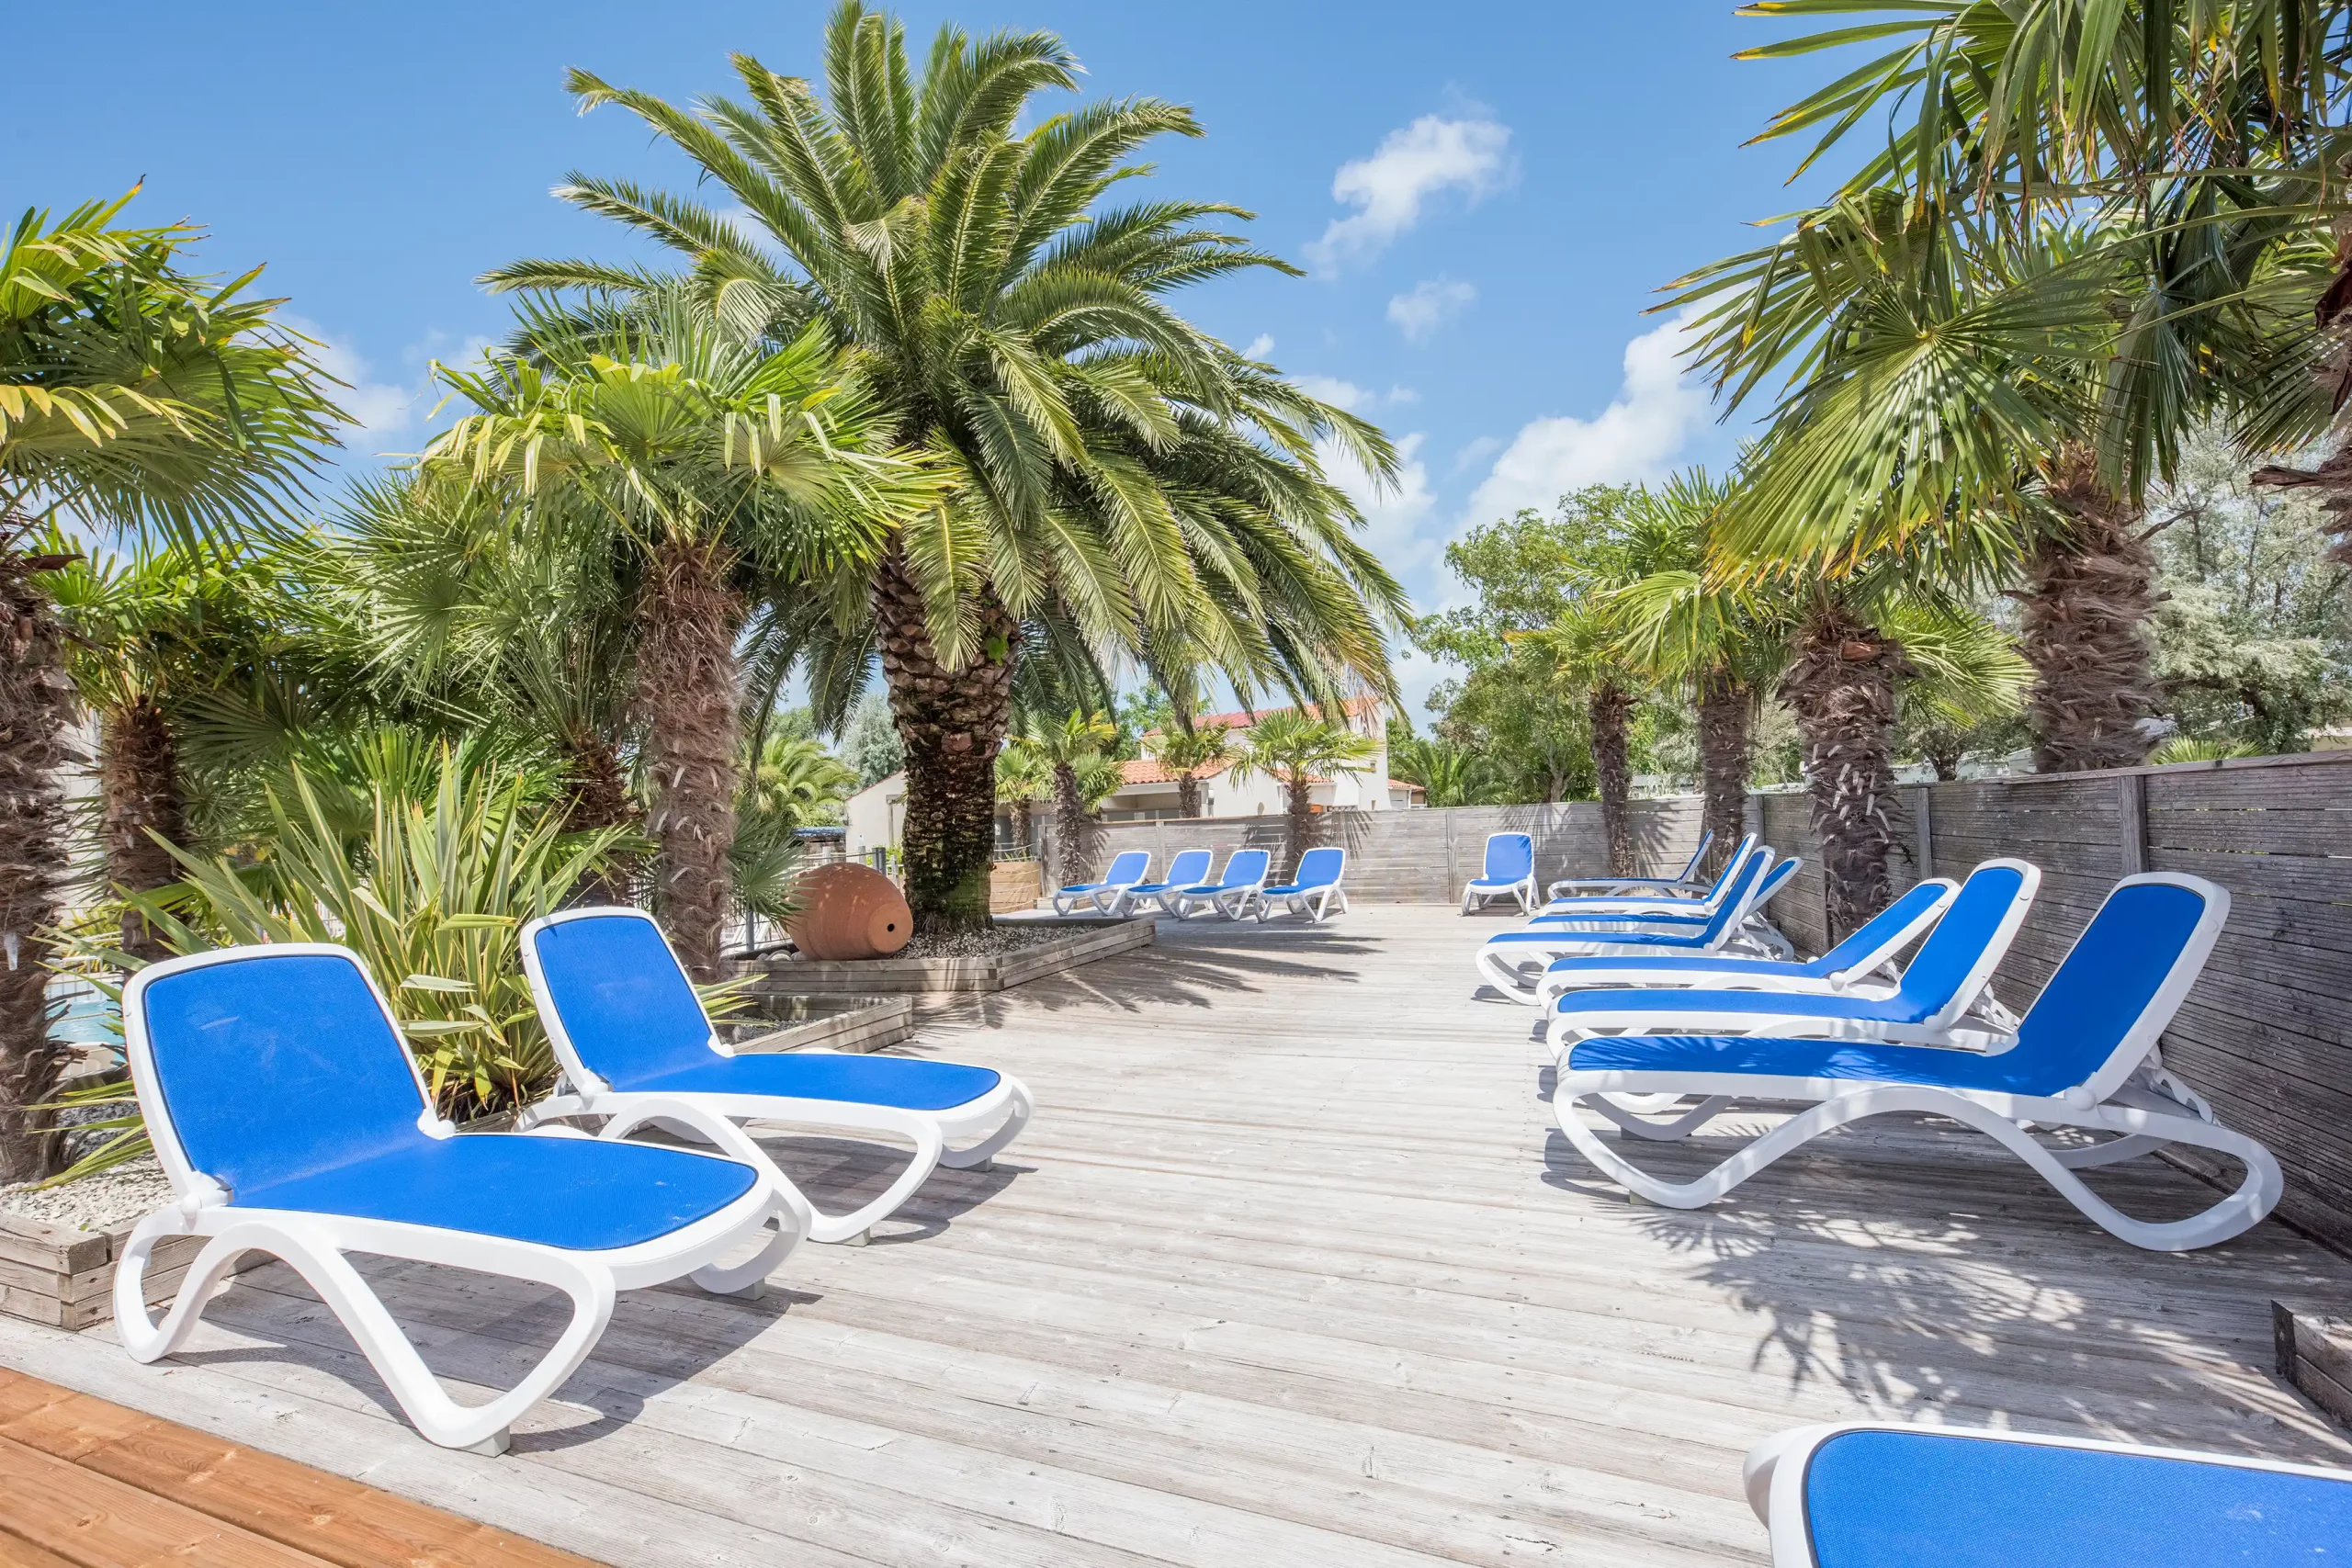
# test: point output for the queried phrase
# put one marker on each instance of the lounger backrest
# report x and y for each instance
(1740, 853)
(1697, 856)
(1511, 857)
(1738, 879)
(1127, 868)
(1887, 932)
(1189, 869)
(1320, 868)
(1952, 967)
(2118, 984)
(612, 995)
(1246, 868)
(260, 1063)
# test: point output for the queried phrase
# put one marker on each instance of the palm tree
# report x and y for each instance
(1122, 482)
(1451, 774)
(1719, 636)
(707, 464)
(796, 781)
(150, 635)
(1062, 749)
(1293, 746)
(1189, 753)
(135, 399)
(1022, 778)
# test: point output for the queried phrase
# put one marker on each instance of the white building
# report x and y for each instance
(876, 816)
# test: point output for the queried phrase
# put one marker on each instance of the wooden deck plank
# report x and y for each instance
(1292, 1264)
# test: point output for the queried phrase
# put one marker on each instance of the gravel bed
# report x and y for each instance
(99, 1202)
(980, 944)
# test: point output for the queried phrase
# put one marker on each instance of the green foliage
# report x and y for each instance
(1292, 744)
(1451, 774)
(870, 739)
(432, 897)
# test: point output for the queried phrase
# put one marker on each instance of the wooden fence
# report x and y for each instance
(2265, 1034)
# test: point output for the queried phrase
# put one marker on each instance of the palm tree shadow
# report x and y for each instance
(1192, 963)
(1924, 1273)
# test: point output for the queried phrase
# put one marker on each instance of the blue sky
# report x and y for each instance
(1485, 199)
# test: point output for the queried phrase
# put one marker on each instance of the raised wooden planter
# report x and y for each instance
(869, 1023)
(1014, 885)
(2316, 1355)
(63, 1277)
(932, 980)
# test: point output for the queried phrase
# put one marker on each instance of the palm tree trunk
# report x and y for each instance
(1071, 830)
(1726, 720)
(139, 782)
(1188, 796)
(1298, 801)
(1610, 708)
(35, 710)
(2083, 627)
(686, 689)
(952, 723)
(1842, 687)
(595, 797)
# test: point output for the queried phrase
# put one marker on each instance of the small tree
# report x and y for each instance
(1189, 753)
(1079, 737)
(1293, 747)
(1022, 777)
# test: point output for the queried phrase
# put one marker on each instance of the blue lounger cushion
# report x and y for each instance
(900, 1081)
(1873, 1499)
(1867, 939)
(635, 1023)
(335, 1132)
(1764, 1055)
(555, 1191)
(1900, 1008)
(1317, 869)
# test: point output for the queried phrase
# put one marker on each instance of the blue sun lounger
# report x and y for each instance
(1873, 946)
(1938, 987)
(1509, 873)
(2083, 1060)
(1231, 894)
(1189, 869)
(1681, 884)
(636, 1045)
(290, 1119)
(1127, 868)
(1515, 962)
(1866, 1494)
(1696, 907)
(1310, 893)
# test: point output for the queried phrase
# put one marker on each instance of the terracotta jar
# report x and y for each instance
(848, 910)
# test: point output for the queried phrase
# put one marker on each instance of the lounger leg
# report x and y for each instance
(323, 1267)
(1508, 979)
(978, 1156)
(1630, 1116)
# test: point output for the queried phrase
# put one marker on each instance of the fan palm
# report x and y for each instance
(1022, 778)
(1123, 484)
(1061, 750)
(134, 399)
(1450, 775)
(1295, 745)
(150, 635)
(702, 462)
(1189, 753)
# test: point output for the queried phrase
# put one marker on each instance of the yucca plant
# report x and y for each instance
(432, 899)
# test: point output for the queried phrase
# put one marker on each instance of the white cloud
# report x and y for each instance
(381, 408)
(1260, 346)
(1428, 305)
(1476, 451)
(1635, 437)
(1429, 156)
(1394, 513)
(1331, 390)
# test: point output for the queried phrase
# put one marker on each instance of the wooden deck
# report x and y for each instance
(1291, 1269)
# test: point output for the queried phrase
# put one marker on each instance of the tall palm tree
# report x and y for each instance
(1295, 745)
(139, 399)
(705, 462)
(1122, 482)
(1189, 753)
(1062, 750)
